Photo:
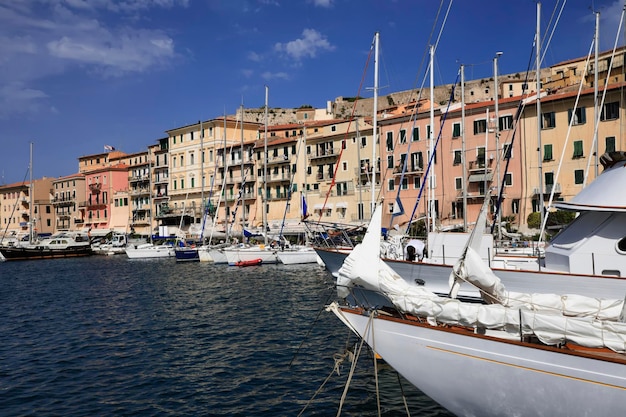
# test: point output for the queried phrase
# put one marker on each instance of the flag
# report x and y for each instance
(108, 148)
(304, 208)
(398, 209)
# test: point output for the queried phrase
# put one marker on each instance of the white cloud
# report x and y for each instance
(253, 56)
(43, 38)
(16, 98)
(308, 45)
(322, 3)
(274, 76)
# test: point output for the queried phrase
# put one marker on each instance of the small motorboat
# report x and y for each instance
(250, 262)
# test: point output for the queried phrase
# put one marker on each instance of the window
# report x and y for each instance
(578, 149)
(416, 134)
(610, 111)
(193, 182)
(405, 184)
(480, 156)
(577, 116)
(456, 130)
(402, 136)
(363, 141)
(458, 183)
(417, 183)
(344, 166)
(182, 184)
(508, 179)
(390, 141)
(548, 120)
(391, 184)
(579, 176)
(417, 161)
(480, 126)
(547, 152)
(507, 151)
(609, 142)
(549, 179)
(428, 132)
(506, 123)
(457, 157)
(390, 161)
(515, 206)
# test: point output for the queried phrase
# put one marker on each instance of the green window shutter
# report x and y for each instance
(579, 176)
(610, 144)
(578, 149)
(547, 152)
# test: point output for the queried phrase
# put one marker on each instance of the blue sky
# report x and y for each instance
(76, 75)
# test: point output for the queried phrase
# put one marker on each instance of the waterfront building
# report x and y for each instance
(22, 212)
(69, 202)
(103, 184)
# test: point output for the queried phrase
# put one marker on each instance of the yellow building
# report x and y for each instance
(69, 202)
(21, 211)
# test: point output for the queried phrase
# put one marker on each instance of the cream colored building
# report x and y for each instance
(19, 210)
(196, 172)
(69, 202)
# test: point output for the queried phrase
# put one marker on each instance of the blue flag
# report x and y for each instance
(304, 208)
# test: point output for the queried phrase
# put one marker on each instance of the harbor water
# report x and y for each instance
(109, 336)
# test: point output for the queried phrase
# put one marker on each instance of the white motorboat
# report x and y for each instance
(149, 250)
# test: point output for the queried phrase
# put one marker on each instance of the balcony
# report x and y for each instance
(280, 159)
(161, 180)
(239, 179)
(95, 187)
(321, 176)
(397, 170)
(79, 221)
(279, 178)
(63, 202)
(328, 153)
(548, 189)
(480, 177)
(139, 191)
(138, 178)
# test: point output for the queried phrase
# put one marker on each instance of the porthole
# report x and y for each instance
(621, 246)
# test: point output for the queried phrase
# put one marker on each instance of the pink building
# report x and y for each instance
(102, 184)
(461, 170)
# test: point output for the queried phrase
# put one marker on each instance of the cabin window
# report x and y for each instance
(621, 245)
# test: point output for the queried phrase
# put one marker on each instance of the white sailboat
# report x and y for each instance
(247, 253)
(513, 354)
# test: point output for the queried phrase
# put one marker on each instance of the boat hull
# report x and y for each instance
(474, 375)
(150, 252)
(435, 278)
(25, 254)
(242, 255)
(302, 256)
(187, 255)
(252, 262)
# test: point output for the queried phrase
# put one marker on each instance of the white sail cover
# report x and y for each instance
(552, 318)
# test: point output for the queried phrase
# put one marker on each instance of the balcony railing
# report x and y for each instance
(548, 188)
(280, 159)
(328, 153)
(95, 187)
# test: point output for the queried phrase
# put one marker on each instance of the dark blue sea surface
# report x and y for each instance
(109, 336)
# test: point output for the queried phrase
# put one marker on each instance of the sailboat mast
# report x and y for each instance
(431, 185)
(375, 125)
(497, 134)
(264, 199)
(595, 93)
(243, 204)
(538, 101)
(463, 148)
(150, 195)
(30, 197)
(202, 205)
(226, 216)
